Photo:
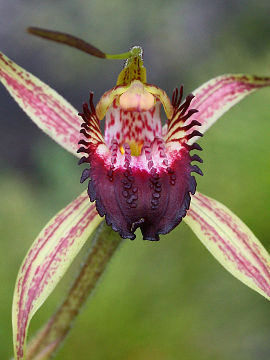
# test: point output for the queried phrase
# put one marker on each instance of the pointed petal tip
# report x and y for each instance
(67, 39)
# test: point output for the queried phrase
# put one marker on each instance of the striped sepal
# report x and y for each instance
(46, 262)
(218, 95)
(50, 111)
(231, 242)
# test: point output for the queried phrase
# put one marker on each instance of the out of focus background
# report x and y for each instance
(168, 300)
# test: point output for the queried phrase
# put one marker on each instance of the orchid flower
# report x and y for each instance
(139, 172)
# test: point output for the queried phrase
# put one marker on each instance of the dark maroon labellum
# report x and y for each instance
(154, 200)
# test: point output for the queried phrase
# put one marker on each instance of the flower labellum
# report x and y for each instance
(140, 176)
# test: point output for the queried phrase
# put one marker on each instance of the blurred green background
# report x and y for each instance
(168, 300)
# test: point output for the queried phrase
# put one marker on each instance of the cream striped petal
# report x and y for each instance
(50, 111)
(218, 95)
(47, 261)
(231, 242)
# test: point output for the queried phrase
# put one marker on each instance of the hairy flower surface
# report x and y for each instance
(140, 173)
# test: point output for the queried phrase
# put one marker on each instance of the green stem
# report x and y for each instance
(122, 56)
(48, 339)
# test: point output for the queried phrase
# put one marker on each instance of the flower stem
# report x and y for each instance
(48, 339)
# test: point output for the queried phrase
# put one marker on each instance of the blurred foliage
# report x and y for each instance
(168, 300)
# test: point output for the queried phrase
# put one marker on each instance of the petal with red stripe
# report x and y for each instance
(50, 111)
(218, 95)
(231, 242)
(47, 261)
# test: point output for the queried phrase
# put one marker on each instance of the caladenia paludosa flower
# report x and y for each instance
(139, 176)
